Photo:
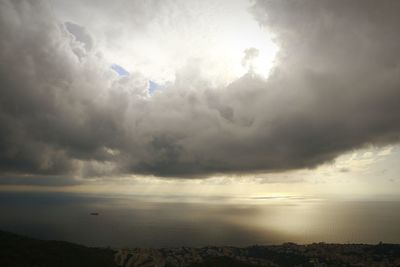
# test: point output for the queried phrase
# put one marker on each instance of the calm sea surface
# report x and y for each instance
(173, 221)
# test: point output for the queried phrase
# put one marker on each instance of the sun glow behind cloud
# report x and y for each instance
(213, 34)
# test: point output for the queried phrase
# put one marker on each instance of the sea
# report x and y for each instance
(127, 221)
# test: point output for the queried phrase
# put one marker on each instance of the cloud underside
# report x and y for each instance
(65, 113)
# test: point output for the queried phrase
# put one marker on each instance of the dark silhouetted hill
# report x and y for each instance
(20, 251)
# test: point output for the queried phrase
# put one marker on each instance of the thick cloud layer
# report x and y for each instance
(65, 114)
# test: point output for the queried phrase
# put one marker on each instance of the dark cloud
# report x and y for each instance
(80, 34)
(82, 41)
(38, 180)
(335, 87)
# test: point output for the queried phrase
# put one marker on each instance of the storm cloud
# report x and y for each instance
(65, 113)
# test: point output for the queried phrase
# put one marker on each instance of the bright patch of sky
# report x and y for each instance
(120, 70)
(159, 40)
(153, 87)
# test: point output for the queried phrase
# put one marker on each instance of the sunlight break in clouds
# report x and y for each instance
(159, 38)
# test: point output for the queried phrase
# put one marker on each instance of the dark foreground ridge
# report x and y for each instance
(18, 251)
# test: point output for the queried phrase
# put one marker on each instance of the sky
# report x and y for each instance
(201, 98)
